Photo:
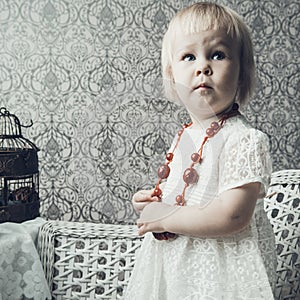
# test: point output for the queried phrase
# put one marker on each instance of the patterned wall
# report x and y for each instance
(87, 73)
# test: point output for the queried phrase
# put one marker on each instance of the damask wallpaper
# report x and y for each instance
(87, 73)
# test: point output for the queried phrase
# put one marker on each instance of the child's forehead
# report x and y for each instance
(204, 39)
(192, 28)
(204, 36)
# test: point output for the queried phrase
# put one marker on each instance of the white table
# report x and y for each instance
(21, 272)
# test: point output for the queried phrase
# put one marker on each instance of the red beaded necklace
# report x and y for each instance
(190, 175)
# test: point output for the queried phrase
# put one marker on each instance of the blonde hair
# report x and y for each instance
(206, 16)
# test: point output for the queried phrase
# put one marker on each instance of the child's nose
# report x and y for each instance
(204, 70)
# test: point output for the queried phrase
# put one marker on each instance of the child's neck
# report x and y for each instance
(205, 121)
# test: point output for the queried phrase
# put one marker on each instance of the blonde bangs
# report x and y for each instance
(205, 17)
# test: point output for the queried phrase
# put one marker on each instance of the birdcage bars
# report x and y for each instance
(19, 175)
(19, 190)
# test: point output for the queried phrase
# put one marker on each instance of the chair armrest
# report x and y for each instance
(87, 260)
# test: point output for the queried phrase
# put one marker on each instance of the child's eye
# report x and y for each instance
(189, 57)
(218, 55)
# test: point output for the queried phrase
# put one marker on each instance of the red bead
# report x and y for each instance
(164, 236)
(215, 126)
(190, 176)
(195, 157)
(179, 199)
(157, 192)
(180, 132)
(210, 132)
(159, 236)
(170, 235)
(163, 171)
(169, 156)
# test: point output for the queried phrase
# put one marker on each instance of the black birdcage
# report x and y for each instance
(19, 175)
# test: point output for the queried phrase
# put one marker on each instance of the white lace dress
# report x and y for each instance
(237, 267)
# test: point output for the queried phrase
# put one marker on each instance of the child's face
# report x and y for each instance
(206, 68)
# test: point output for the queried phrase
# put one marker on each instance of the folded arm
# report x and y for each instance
(231, 212)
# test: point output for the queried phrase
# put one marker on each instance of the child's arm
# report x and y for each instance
(229, 213)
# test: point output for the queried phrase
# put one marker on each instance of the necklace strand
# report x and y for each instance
(190, 175)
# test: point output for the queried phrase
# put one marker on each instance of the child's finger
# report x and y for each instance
(143, 196)
(141, 229)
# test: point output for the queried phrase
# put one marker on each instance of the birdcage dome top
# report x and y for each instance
(11, 138)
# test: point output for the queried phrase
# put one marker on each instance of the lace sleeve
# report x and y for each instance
(245, 159)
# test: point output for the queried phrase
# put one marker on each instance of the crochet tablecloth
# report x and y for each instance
(21, 272)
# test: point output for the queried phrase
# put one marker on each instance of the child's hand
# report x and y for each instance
(143, 198)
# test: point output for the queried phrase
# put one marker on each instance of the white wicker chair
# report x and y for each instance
(283, 209)
(87, 261)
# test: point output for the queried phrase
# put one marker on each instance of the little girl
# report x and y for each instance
(206, 233)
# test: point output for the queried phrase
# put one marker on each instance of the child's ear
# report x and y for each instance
(170, 73)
